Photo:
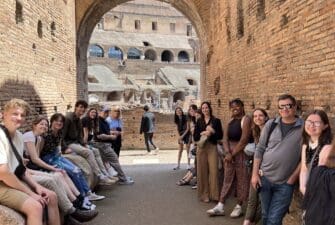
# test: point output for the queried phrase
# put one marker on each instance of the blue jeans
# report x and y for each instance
(276, 200)
(73, 171)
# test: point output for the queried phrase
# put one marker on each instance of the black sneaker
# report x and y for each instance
(69, 220)
(84, 216)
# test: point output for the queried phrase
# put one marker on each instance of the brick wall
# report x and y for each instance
(165, 136)
(37, 45)
(262, 49)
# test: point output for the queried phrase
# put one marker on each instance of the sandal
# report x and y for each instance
(182, 182)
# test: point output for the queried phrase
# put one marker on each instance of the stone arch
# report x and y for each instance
(183, 56)
(134, 53)
(115, 52)
(150, 54)
(96, 50)
(88, 15)
(114, 96)
(167, 56)
(179, 95)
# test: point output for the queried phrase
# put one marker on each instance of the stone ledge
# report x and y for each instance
(11, 217)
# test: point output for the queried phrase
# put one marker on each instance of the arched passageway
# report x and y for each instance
(133, 53)
(167, 56)
(114, 96)
(89, 14)
(150, 54)
(96, 51)
(183, 56)
(115, 53)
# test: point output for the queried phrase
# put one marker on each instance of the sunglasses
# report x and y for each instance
(310, 123)
(286, 106)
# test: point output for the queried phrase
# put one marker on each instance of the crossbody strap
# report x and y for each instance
(310, 164)
(17, 155)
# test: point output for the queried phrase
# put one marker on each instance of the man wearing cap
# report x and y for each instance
(102, 141)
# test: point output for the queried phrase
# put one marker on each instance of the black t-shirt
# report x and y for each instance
(286, 127)
(103, 128)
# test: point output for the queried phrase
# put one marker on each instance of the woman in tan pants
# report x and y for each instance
(207, 158)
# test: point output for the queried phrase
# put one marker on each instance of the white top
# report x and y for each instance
(30, 137)
(7, 155)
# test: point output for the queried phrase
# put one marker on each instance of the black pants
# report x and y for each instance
(148, 140)
(116, 144)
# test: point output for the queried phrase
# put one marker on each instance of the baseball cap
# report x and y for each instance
(105, 108)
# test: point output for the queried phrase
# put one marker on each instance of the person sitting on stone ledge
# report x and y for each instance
(73, 137)
(51, 154)
(98, 134)
(17, 188)
(69, 199)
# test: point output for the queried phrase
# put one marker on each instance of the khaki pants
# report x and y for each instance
(11, 197)
(53, 182)
(92, 156)
(108, 154)
(207, 172)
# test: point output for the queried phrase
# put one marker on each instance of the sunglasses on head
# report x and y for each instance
(286, 106)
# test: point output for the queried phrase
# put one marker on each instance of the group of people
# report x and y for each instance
(263, 160)
(35, 177)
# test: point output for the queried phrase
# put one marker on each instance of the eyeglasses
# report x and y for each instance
(310, 123)
(286, 106)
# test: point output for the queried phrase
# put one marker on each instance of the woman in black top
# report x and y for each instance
(316, 180)
(237, 135)
(207, 157)
(184, 135)
(316, 135)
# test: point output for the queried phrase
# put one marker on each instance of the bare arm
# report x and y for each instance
(85, 138)
(12, 181)
(256, 179)
(246, 132)
(36, 159)
(327, 156)
(303, 171)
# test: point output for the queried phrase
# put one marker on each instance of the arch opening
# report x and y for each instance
(183, 56)
(115, 52)
(167, 56)
(150, 54)
(96, 51)
(134, 53)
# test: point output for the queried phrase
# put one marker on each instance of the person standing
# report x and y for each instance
(148, 128)
(277, 161)
(209, 127)
(253, 211)
(184, 135)
(116, 126)
(236, 175)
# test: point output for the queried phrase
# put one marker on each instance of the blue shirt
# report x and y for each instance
(114, 124)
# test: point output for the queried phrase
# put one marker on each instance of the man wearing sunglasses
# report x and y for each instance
(277, 161)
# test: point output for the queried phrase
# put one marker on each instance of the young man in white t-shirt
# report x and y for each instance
(25, 196)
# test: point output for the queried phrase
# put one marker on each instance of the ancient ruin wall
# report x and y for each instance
(165, 136)
(37, 45)
(260, 49)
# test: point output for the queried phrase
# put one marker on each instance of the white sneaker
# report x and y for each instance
(216, 211)
(156, 150)
(94, 197)
(104, 180)
(111, 171)
(237, 212)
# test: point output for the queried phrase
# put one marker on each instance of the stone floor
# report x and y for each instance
(155, 198)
